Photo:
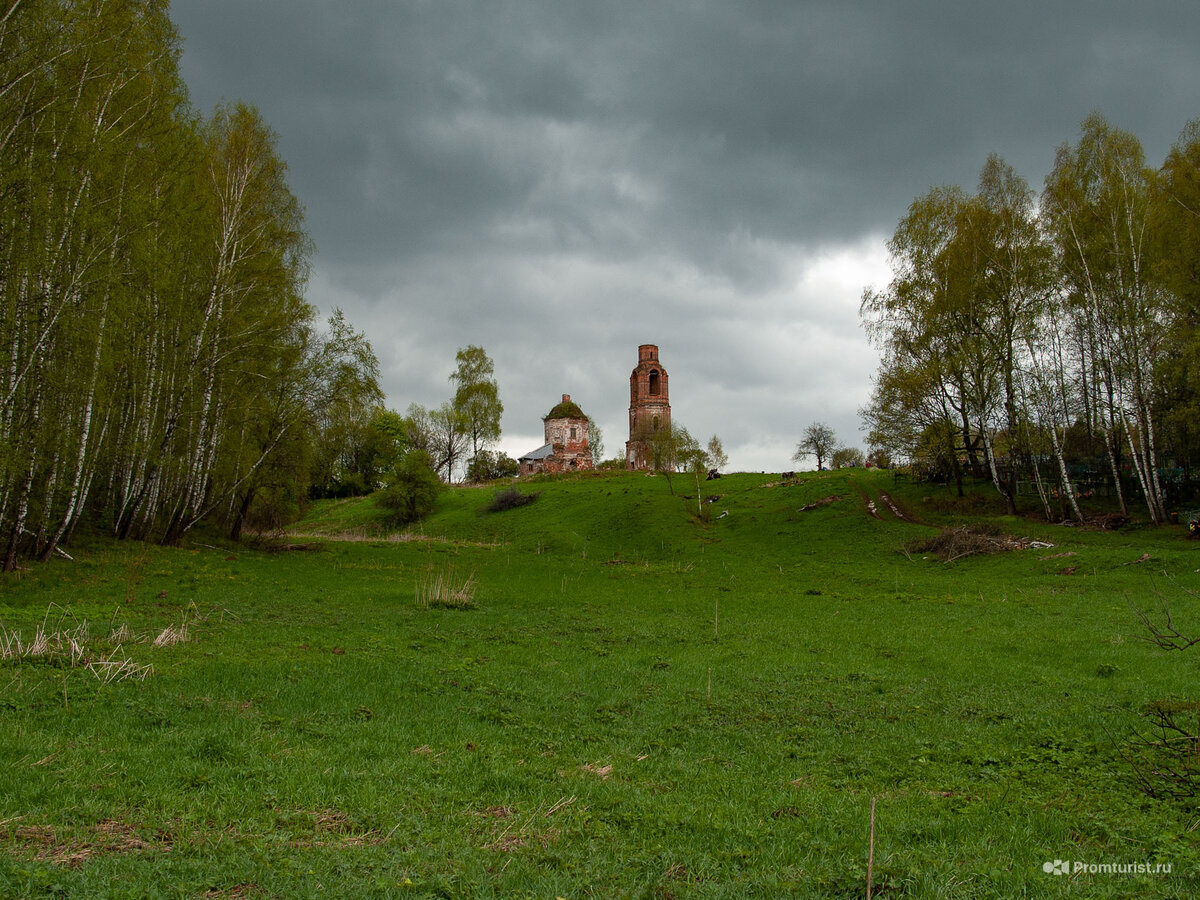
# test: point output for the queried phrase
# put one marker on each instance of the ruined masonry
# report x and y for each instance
(649, 407)
(566, 447)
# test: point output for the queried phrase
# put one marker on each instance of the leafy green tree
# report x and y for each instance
(923, 323)
(972, 275)
(412, 488)
(818, 440)
(1013, 282)
(671, 448)
(847, 457)
(477, 398)
(488, 465)
(715, 457)
(86, 91)
(345, 403)
(595, 441)
(1175, 232)
(694, 459)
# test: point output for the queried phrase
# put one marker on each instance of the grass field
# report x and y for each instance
(620, 701)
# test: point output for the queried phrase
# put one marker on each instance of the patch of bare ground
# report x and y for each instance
(71, 849)
(971, 540)
(824, 501)
(895, 508)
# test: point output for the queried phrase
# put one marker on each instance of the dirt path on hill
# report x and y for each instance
(895, 510)
(886, 502)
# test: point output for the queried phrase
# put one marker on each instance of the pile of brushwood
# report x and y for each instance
(960, 541)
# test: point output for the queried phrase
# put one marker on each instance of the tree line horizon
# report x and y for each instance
(160, 365)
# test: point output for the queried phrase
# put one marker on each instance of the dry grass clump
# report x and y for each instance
(74, 647)
(173, 634)
(72, 850)
(68, 645)
(446, 590)
(970, 540)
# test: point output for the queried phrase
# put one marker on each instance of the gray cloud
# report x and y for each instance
(560, 182)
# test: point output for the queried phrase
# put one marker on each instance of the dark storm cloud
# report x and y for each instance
(562, 181)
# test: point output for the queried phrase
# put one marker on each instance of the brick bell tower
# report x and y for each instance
(649, 406)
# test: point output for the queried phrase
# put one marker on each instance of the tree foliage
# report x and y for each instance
(476, 401)
(158, 361)
(489, 465)
(671, 448)
(1030, 340)
(847, 457)
(817, 441)
(715, 457)
(412, 488)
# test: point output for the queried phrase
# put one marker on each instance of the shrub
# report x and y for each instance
(510, 498)
(412, 488)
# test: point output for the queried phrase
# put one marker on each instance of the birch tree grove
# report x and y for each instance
(1056, 337)
(157, 357)
(1097, 205)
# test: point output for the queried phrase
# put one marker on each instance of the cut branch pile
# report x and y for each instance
(955, 543)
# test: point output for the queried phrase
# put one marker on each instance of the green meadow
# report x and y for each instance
(599, 694)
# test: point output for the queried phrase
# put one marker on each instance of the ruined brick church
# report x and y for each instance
(566, 427)
(566, 448)
(649, 407)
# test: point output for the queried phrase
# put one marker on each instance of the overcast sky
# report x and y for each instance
(560, 181)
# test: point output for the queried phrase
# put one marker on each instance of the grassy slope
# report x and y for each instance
(322, 730)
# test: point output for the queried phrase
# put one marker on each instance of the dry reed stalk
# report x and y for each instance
(871, 850)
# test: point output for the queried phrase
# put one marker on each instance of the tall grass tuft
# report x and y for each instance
(173, 634)
(446, 590)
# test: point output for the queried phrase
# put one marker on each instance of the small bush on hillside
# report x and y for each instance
(412, 488)
(510, 498)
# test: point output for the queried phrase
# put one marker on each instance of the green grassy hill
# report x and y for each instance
(621, 700)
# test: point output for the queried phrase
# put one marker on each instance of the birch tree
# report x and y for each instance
(1097, 206)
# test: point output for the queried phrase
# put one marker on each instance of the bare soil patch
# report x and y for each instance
(824, 501)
